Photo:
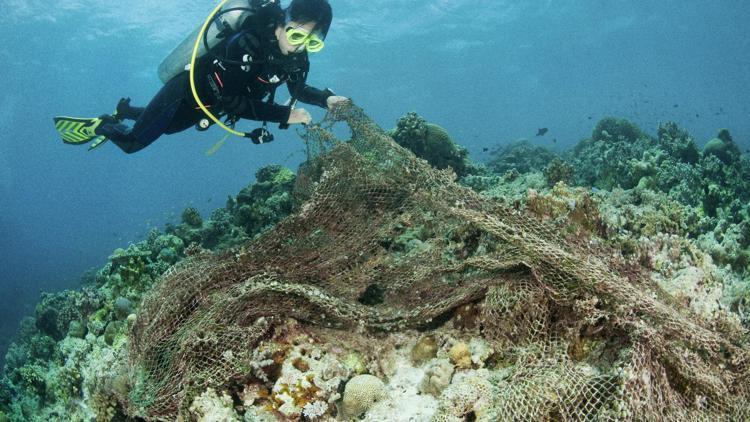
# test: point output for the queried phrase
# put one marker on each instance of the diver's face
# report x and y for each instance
(284, 45)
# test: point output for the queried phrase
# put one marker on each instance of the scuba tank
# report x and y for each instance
(178, 60)
(242, 11)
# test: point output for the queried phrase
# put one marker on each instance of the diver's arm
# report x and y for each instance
(307, 94)
(247, 108)
(310, 95)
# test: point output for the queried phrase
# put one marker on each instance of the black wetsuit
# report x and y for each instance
(242, 91)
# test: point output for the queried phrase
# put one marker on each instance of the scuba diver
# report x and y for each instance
(230, 68)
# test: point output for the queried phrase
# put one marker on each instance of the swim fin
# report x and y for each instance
(79, 131)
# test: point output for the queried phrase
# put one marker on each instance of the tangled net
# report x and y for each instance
(384, 242)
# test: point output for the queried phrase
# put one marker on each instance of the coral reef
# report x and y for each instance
(432, 143)
(558, 171)
(64, 364)
(567, 313)
(262, 204)
(711, 188)
(425, 349)
(438, 375)
(723, 148)
(361, 393)
(614, 156)
(192, 217)
(470, 397)
(520, 156)
(576, 287)
(209, 407)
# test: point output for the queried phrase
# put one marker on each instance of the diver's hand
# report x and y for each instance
(299, 115)
(335, 101)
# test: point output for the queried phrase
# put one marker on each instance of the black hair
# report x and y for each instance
(318, 11)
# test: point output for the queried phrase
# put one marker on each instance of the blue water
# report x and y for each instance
(489, 71)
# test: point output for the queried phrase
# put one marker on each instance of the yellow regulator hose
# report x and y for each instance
(192, 74)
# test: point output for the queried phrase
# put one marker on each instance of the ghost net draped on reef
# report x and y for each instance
(383, 242)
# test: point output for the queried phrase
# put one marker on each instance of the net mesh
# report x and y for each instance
(384, 242)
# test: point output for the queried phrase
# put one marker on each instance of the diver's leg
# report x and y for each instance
(126, 111)
(152, 122)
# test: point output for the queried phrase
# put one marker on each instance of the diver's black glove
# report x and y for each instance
(261, 135)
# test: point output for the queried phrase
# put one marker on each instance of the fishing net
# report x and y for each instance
(383, 242)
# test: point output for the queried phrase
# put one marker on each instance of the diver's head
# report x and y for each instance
(305, 26)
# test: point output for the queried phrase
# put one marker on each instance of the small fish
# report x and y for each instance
(590, 117)
(675, 105)
(209, 199)
(697, 115)
(485, 149)
(554, 140)
(543, 131)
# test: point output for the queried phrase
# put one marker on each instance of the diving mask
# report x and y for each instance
(298, 36)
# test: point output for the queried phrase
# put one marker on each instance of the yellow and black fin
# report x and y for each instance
(77, 131)
(96, 142)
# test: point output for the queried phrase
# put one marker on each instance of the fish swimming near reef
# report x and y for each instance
(542, 131)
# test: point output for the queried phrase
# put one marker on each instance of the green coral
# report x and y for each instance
(262, 204)
(559, 171)
(643, 212)
(612, 129)
(616, 155)
(192, 217)
(431, 143)
(729, 244)
(128, 270)
(714, 183)
(55, 311)
(510, 187)
(723, 148)
(678, 143)
(76, 329)
(32, 377)
(520, 156)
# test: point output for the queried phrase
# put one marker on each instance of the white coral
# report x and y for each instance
(469, 394)
(315, 409)
(480, 352)
(437, 377)
(307, 372)
(210, 407)
(361, 393)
